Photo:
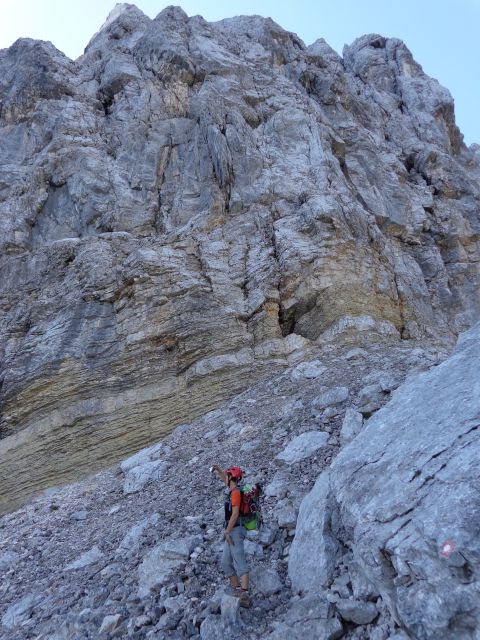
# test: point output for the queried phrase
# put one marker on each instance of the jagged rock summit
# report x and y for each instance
(189, 207)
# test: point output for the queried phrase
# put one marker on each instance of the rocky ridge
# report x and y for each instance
(190, 207)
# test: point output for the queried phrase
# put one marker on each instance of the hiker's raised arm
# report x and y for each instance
(220, 472)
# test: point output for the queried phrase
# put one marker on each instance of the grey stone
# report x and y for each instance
(253, 549)
(263, 536)
(212, 628)
(351, 426)
(175, 604)
(302, 446)
(341, 585)
(278, 487)
(8, 559)
(142, 621)
(219, 515)
(169, 621)
(370, 398)
(265, 580)
(91, 556)
(362, 587)
(230, 611)
(216, 599)
(291, 409)
(286, 515)
(329, 398)
(131, 541)
(329, 629)
(308, 370)
(362, 328)
(111, 570)
(308, 618)
(309, 607)
(267, 535)
(331, 412)
(149, 454)
(251, 445)
(137, 477)
(162, 560)
(378, 632)
(357, 352)
(357, 611)
(85, 615)
(110, 623)
(389, 382)
(180, 587)
(332, 597)
(79, 515)
(20, 611)
(314, 548)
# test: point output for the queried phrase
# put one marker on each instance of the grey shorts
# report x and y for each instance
(233, 558)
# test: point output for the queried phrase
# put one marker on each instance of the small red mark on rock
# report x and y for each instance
(448, 547)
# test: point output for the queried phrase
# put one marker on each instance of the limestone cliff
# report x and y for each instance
(401, 505)
(189, 206)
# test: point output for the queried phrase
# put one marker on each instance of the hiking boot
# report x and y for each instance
(244, 599)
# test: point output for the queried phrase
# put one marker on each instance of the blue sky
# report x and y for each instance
(443, 35)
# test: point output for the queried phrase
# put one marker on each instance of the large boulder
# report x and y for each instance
(91, 556)
(162, 560)
(137, 477)
(20, 610)
(310, 617)
(302, 446)
(313, 552)
(351, 426)
(404, 496)
(131, 541)
(265, 580)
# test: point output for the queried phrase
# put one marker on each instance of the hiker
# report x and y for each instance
(234, 563)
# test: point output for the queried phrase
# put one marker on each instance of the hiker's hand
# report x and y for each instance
(229, 540)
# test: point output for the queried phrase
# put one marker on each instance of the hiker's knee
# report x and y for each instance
(241, 566)
(239, 560)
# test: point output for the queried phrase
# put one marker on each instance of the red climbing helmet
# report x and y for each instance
(235, 473)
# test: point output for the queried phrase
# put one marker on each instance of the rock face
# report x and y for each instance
(404, 496)
(187, 205)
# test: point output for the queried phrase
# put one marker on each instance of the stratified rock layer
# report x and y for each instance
(403, 496)
(188, 204)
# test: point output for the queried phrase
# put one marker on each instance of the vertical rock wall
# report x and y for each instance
(188, 204)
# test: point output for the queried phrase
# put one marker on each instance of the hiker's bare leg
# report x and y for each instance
(234, 582)
(244, 580)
